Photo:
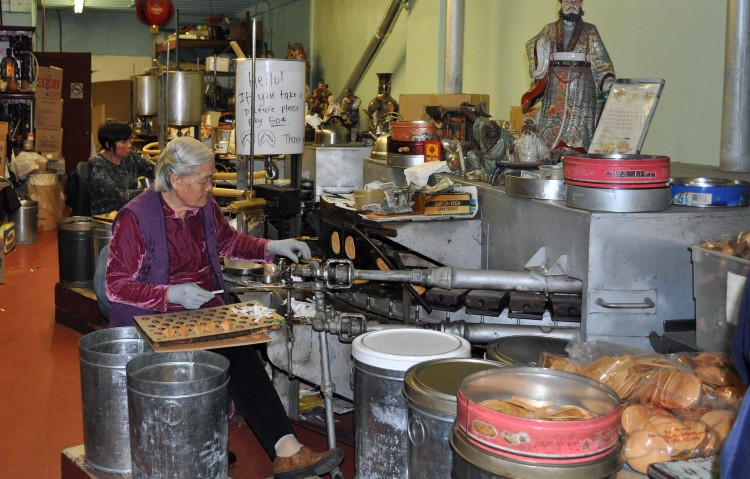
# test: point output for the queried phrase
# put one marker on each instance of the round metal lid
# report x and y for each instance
(524, 350)
(433, 384)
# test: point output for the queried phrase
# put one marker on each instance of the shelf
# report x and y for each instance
(17, 95)
(213, 44)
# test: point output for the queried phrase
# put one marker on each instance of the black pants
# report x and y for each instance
(255, 397)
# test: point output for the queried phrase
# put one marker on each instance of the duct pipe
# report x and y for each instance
(453, 60)
(449, 278)
(364, 61)
(735, 120)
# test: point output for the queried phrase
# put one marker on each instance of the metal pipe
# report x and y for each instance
(735, 119)
(364, 61)
(449, 278)
(453, 58)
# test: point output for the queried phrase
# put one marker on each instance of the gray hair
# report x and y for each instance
(181, 156)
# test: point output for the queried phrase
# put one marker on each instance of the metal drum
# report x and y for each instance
(381, 359)
(26, 219)
(524, 350)
(430, 390)
(179, 414)
(101, 235)
(75, 251)
(473, 462)
(145, 95)
(106, 434)
(184, 94)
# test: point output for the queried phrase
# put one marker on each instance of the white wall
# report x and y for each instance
(115, 67)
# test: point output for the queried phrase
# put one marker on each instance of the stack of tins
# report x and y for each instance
(617, 183)
(535, 423)
(381, 359)
(406, 145)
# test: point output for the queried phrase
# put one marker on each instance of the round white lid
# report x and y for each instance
(399, 349)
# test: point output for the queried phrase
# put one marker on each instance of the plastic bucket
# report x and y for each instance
(106, 434)
(179, 414)
(26, 219)
(101, 235)
(430, 390)
(381, 359)
(75, 251)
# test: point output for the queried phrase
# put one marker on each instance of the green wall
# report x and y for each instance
(681, 41)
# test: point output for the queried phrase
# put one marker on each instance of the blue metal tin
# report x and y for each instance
(708, 192)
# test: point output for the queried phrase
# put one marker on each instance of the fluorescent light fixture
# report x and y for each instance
(78, 6)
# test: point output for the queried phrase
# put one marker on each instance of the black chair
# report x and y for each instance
(77, 191)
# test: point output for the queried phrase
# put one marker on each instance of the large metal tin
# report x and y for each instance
(336, 169)
(620, 170)
(534, 187)
(430, 390)
(75, 251)
(179, 414)
(618, 200)
(472, 462)
(104, 396)
(404, 160)
(26, 219)
(707, 192)
(523, 350)
(184, 96)
(561, 442)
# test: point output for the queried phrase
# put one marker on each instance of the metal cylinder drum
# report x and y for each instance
(524, 350)
(381, 359)
(26, 219)
(106, 431)
(430, 390)
(473, 462)
(75, 251)
(101, 235)
(184, 96)
(179, 414)
(145, 95)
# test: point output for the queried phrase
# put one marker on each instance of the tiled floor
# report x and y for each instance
(40, 391)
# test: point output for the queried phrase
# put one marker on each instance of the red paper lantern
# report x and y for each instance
(154, 12)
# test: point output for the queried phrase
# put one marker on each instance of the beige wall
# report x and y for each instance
(681, 41)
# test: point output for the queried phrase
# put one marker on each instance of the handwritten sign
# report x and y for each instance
(278, 126)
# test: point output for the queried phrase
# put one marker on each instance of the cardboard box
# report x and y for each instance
(49, 83)
(49, 140)
(48, 113)
(8, 235)
(411, 106)
(442, 204)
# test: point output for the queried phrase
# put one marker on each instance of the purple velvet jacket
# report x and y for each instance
(152, 248)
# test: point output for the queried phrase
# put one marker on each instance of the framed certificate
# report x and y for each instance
(626, 117)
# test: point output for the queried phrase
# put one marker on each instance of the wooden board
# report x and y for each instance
(213, 326)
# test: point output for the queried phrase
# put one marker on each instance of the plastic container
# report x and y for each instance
(369, 200)
(718, 284)
(381, 359)
(179, 415)
(104, 395)
(551, 172)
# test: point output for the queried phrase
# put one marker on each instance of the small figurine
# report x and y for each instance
(382, 104)
(296, 51)
(350, 112)
(332, 109)
(529, 148)
(318, 100)
(493, 141)
(572, 75)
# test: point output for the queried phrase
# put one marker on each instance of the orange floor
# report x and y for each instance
(40, 391)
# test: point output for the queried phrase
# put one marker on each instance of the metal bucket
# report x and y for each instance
(145, 95)
(74, 251)
(430, 390)
(106, 434)
(381, 359)
(101, 235)
(524, 350)
(26, 219)
(472, 462)
(179, 414)
(184, 95)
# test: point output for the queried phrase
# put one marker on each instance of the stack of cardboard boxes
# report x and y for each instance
(48, 107)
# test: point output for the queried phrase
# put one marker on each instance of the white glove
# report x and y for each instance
(291, 248)
(188, 295)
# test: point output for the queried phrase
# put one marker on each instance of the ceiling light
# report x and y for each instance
(78, 6)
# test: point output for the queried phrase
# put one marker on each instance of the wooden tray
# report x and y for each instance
(220, 326)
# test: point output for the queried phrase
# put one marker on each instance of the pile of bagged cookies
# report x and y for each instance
(678, 406)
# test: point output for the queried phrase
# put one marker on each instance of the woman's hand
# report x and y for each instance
(291, 248)
(188, 295)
